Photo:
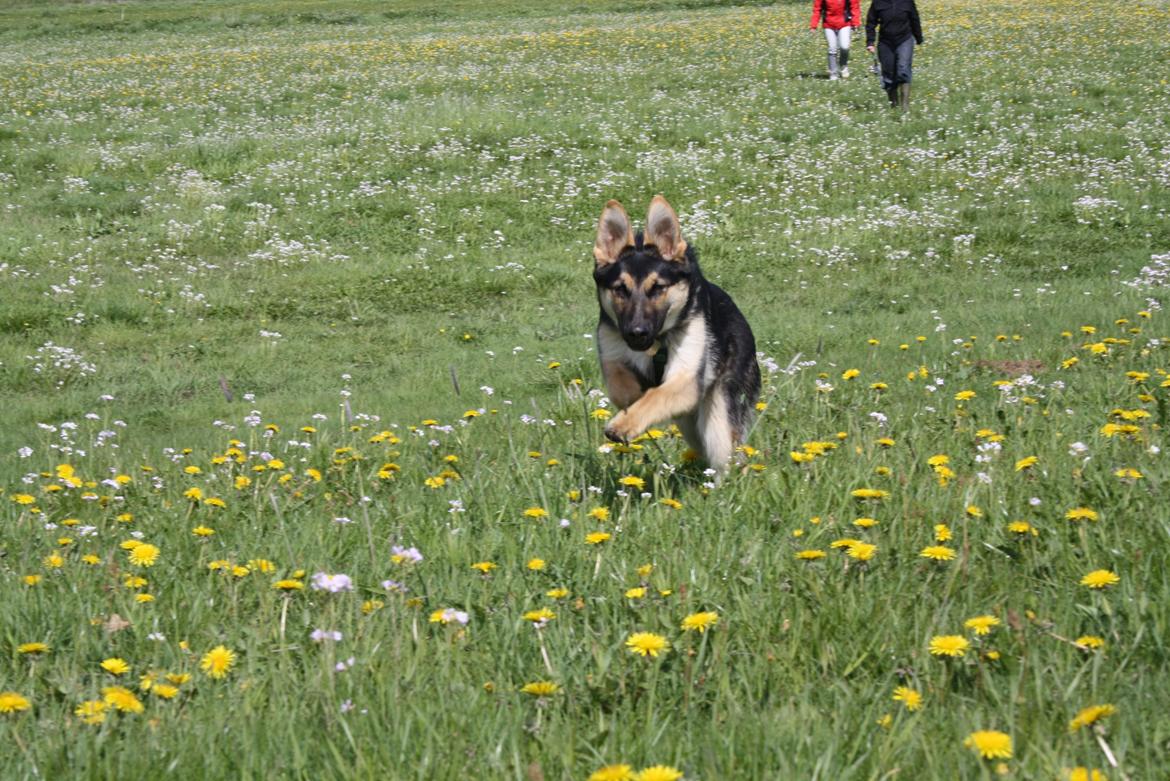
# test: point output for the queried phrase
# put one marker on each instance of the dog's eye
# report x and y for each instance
(657, 288)
(620, 289)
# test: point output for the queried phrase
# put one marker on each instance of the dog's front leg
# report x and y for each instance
(621, 383)
(677, 396)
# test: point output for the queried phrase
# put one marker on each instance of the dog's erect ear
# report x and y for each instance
(663, 231)
(613, 234)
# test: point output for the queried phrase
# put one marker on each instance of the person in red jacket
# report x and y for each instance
(839, 18)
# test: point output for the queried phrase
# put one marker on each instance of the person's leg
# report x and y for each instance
(843, 37)
(904, 57)
(831, 37)
(886, 56)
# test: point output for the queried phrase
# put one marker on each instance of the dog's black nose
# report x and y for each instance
(639, 332)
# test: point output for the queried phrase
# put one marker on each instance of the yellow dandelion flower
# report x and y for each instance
(540, 616)
(599, 513)
(613, 773)
(218, 662)
(938, 553)
(144, 555)
(700, 622)
(990, 744)
(596, 538)
(1100, 578)
(658, 773)
(869, 493)
(1120, 429)
(949, 645)
(557, 593)
(630, 481)
(484, 566)
(1090, 642)
(115, 666)
(13, 702)
(91, 712)
(536, 512)
(540, 688)
(636, 593)
(981, 625)
(122, 699)
(810, 555)
(862, 551)
(537, 565)
(1027, 463)
(911, 698)
(1090, 715)
(1085, 774)
(165, 690)
(647, 644)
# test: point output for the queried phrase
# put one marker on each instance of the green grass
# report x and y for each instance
(244, 219)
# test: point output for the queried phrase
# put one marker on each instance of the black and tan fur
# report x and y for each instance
(654, 298)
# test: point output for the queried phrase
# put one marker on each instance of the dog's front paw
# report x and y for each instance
(621, 429)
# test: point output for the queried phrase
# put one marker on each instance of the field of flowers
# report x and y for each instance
(302, 472)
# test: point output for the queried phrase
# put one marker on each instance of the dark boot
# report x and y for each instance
(892, 94)
(904, 97)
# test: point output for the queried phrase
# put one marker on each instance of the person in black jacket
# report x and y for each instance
(900, 28)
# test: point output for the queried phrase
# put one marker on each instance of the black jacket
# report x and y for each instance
(898, 19)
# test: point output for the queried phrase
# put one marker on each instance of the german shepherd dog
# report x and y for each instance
(655, 301)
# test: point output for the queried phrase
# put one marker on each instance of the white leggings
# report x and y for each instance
(838, 45)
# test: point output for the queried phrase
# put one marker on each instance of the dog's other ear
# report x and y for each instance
(613, 234)
(663, 231)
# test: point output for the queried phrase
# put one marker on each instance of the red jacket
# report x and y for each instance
(834, 13)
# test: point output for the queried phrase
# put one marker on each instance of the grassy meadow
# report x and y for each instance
(302, 472)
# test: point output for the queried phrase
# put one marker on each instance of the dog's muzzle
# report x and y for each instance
(640, 339)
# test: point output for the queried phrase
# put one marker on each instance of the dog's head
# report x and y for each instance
(643, 281)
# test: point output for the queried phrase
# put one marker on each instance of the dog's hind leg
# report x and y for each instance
(717, 432)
